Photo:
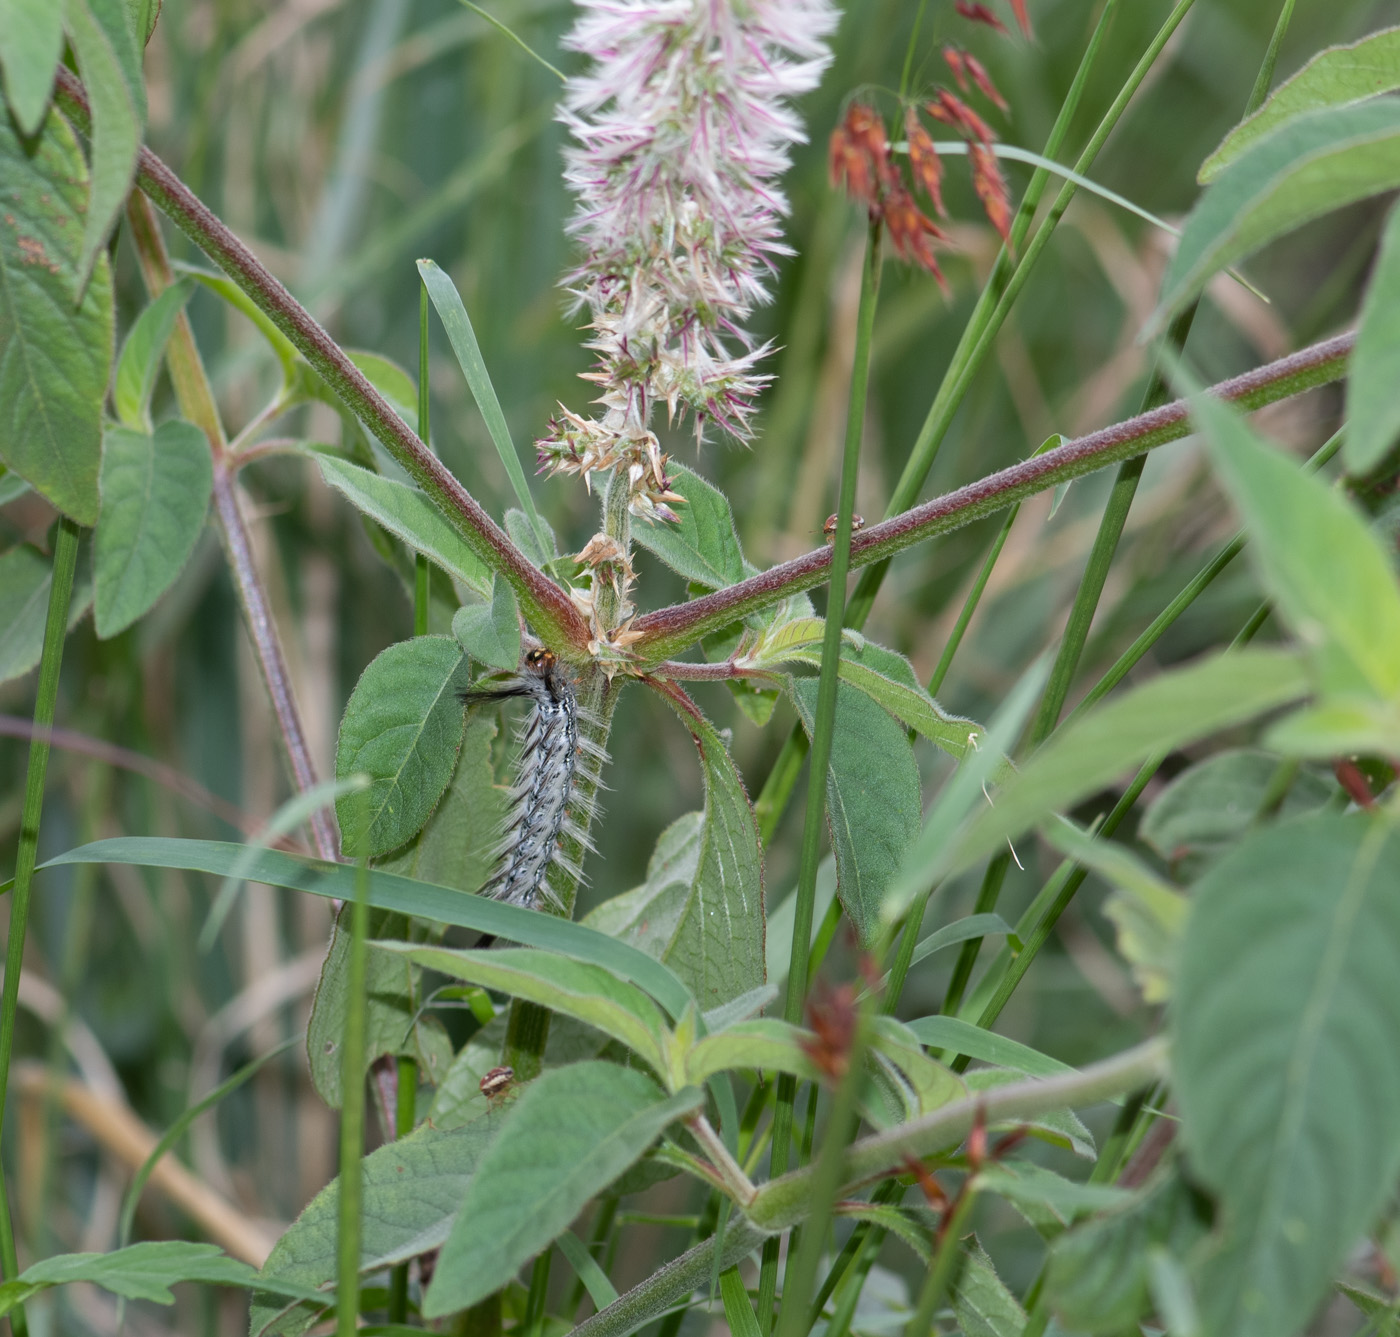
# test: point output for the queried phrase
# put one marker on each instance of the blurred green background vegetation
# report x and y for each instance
(344, 138)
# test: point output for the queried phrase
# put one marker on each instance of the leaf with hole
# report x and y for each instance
(1309, 166)
(1286, 1060)
(1335, 77)
(570, 1134)
(55, 356)
(155, 495)
(407, 514)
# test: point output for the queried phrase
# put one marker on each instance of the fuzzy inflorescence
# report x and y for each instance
(681, 125)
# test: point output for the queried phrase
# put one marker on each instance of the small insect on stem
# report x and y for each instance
(829, 529)
(548, 803)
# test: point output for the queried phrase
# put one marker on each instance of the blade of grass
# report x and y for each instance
(65, 560)
(420, 565)
(177, 1130)
(462, 337)
(352, 1114)
(821, 738)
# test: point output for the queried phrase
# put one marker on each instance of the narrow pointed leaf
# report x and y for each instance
(407, 514)
(141, 354)
(31, 41)
(703, 547)
(1373, 408)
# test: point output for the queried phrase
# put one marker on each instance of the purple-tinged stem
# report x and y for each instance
(668, 631)
(547, 606)
(196, 400)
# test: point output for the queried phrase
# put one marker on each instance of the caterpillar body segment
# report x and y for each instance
(556, 774)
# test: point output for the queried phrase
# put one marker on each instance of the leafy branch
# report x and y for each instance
(669, 631)
(546, 605)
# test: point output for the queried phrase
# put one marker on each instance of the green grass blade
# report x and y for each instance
(462, 337)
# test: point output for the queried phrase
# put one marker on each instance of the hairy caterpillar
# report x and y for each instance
(548, 804)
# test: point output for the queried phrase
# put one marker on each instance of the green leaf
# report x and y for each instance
(155, 494)
(141, 355)
(389, 891)
(1332, 78)
(1173, 709)
(228, 291)
(457, 846)
(1097, 1275)
(955, 1036)
(1034, 1186)
(139, 1272)
(110, 63)
(1286, 1060)
(704, 546)
(933, 1085)
(1147, 911)
(534, 538)
(407, 514)
(600, 1290)
(412, 1189)
(402, 727)
(468, 353)
(1310, 166)
(1329, 575)
(11, 486)
(490, 633)
(31, 41)
(984, 1306)
(1214, 803)
(888, 679)
(1339, 728)
(708, 898)
(570, 1134)
(1373, 409)
(649, 916)
(25, 576)
(960, 930)
(576, 988)
(393, 1024)
(874, 804)
(738, 1309)
(764, 1045)
(778, 945)
(55, 357)
(1061, 1128)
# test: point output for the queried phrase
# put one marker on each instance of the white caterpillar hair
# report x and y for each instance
(556, 776)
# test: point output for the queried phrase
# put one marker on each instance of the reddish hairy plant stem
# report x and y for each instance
(727, 671)
(548, 607)
(197, 403)
(670, 630)
(239, 549)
